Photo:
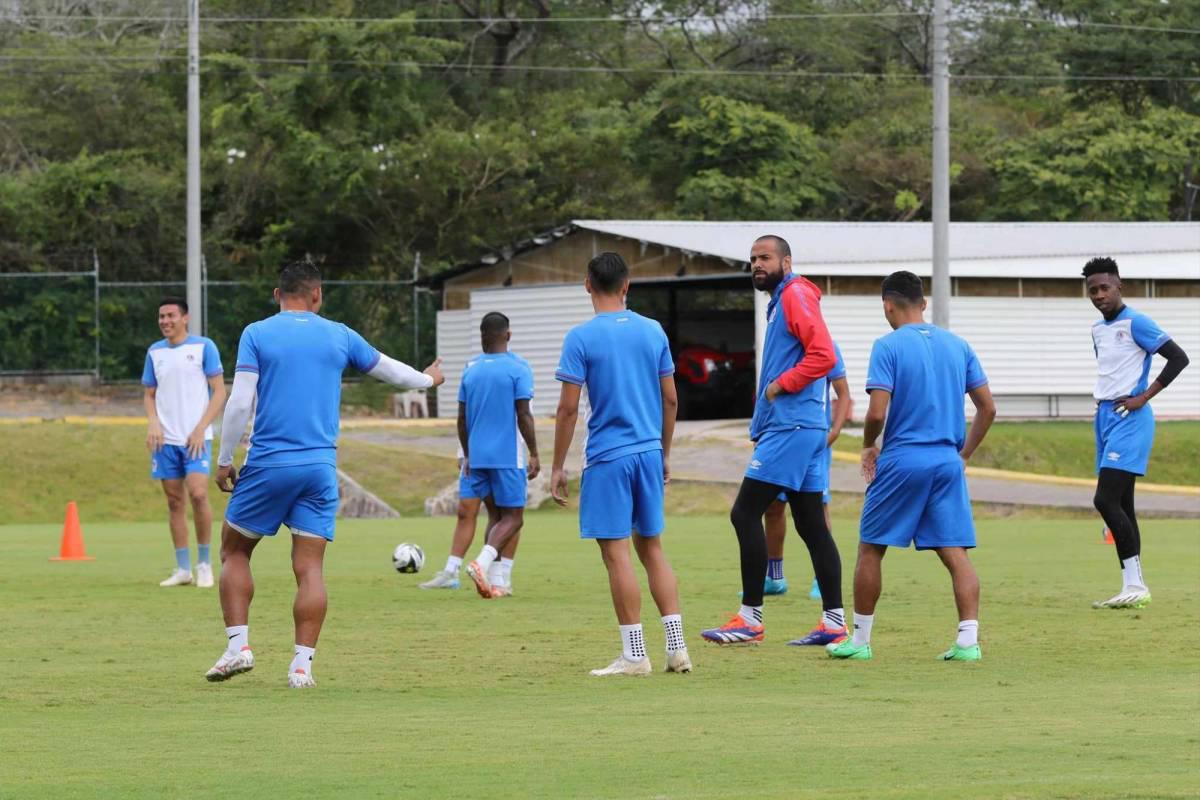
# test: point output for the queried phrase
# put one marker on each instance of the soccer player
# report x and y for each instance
(775, 520)
(1124, 342)
(624, 361)
(917, 485)
(790, 433)
(289, 375)
(493, 418)
(185, 389)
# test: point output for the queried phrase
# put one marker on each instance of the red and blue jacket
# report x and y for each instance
(798, 353)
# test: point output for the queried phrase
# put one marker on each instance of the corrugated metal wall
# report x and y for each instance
(1037, 351)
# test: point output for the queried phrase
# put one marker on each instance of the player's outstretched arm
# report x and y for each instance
(872, 427)
(238, 411)
(397, 373)
(670, 404)
(528, 429)
(985, 414)
(564, 432)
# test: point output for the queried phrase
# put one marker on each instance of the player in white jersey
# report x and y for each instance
(1124, 342)
(184, 391)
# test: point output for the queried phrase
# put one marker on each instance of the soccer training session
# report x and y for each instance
(603, 399)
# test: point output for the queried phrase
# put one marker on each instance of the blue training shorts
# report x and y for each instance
(623, 495)
(919, 493)
(1123, 444)
(791, 459)
(508, 487)
(828, 469)
(172, 462)
(303, 497)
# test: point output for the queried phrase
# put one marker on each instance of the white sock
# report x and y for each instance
(486, 556)
(453, 564)
(633, 645)
(834, 618)
(302, 661)
(239, 636)
(673, 627)
(506, 565)
(862, 629)
(968, 633)
(1131, 573)
(752, 614)
(493, 573)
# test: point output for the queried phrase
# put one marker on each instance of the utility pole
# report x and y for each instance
(941, 165)
(195, 302)
(416, 310)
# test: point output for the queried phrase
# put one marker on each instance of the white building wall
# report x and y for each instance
(457, 342)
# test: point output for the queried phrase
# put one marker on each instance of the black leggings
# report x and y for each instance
(1114, 501)
(808, 514)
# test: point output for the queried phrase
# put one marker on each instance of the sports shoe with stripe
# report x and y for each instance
(478, 575)
(624, 667)
(180, 577)
(445, 579)
(1133, 597)
(230, 664)
(821, 635)
(735, 631)
(956, 653)
(847, 649)
(300, 680)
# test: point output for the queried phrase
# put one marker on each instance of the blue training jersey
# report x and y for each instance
(838, 371)
(492, 384)
(927, 370)
(620, 357)
(299, 358)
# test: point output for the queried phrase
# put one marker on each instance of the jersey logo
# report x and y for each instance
(1113, 456)
(191, 357)
(755, 464)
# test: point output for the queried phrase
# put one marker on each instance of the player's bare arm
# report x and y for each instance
(985, 414)
(670, 405)
(463, 439)
(841, 409)
(154, 432)
(528, 429)
(216, 401)
(872, 428)
(564, 431)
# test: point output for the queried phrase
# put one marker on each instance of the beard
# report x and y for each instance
(768, 282)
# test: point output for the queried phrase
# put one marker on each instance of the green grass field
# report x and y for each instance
(432, 695)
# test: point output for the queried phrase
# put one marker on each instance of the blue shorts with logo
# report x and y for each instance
(825, 496)
(1123, 444)
(919, 494)
(304, 497)
(507, 487)
(621, 496)
(172, 462)
(791, 459)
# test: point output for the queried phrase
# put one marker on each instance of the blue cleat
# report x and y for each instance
(815, 592)
(736, 631)
(771, 586)
(821, 635)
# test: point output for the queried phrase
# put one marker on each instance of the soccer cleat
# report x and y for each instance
(736, 631)
(678, 661)
(772, 586)
(848, 650)
(180, 577)
(482, 585)
(442, 580)
(501, 591)
(623, 667)
(300, 680)
(956, 653)
(204, 576)
(815, 592)
(821, 635)
(1127, 598)
(230, 664)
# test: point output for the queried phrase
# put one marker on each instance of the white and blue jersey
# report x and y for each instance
(1124, 347)
(920, 489)
(492, 384)
(179, 374)
(620, 358)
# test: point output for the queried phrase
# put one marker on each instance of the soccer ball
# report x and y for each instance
(408, 558)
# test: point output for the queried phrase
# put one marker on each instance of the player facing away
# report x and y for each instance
(1124, 342)
(775, 520)
(289, 376)
(789, 432)
(493, 419)
(624, 361)
(184, 391)
(917, 484)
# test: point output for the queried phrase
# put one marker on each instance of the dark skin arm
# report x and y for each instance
(670, 404)
(462, 437)
(528, 430)
(564, 432)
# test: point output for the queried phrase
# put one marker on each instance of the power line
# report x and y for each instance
(1067, 24)
(659, 20)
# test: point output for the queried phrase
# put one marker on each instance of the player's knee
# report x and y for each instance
(198, 496)
(1103, 503)
(465, 514)
(741, 517)
(776, 511)
(175, 502)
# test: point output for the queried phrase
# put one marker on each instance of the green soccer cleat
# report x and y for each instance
(848, 650)
(1128, 598)
(956, 653)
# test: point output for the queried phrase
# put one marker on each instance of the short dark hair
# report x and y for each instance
(607, 272)
(1100, 266)
(781, 244)
(298, 277)
(492, 325)
(904, 287)
(174, 301)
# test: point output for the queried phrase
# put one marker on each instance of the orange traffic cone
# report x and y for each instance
(71, 548)
(1108, 539)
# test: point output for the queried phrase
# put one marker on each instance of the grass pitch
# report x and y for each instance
(440, 694)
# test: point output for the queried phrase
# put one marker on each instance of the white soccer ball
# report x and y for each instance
(408, 558)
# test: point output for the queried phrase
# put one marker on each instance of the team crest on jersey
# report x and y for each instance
(191, 357)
